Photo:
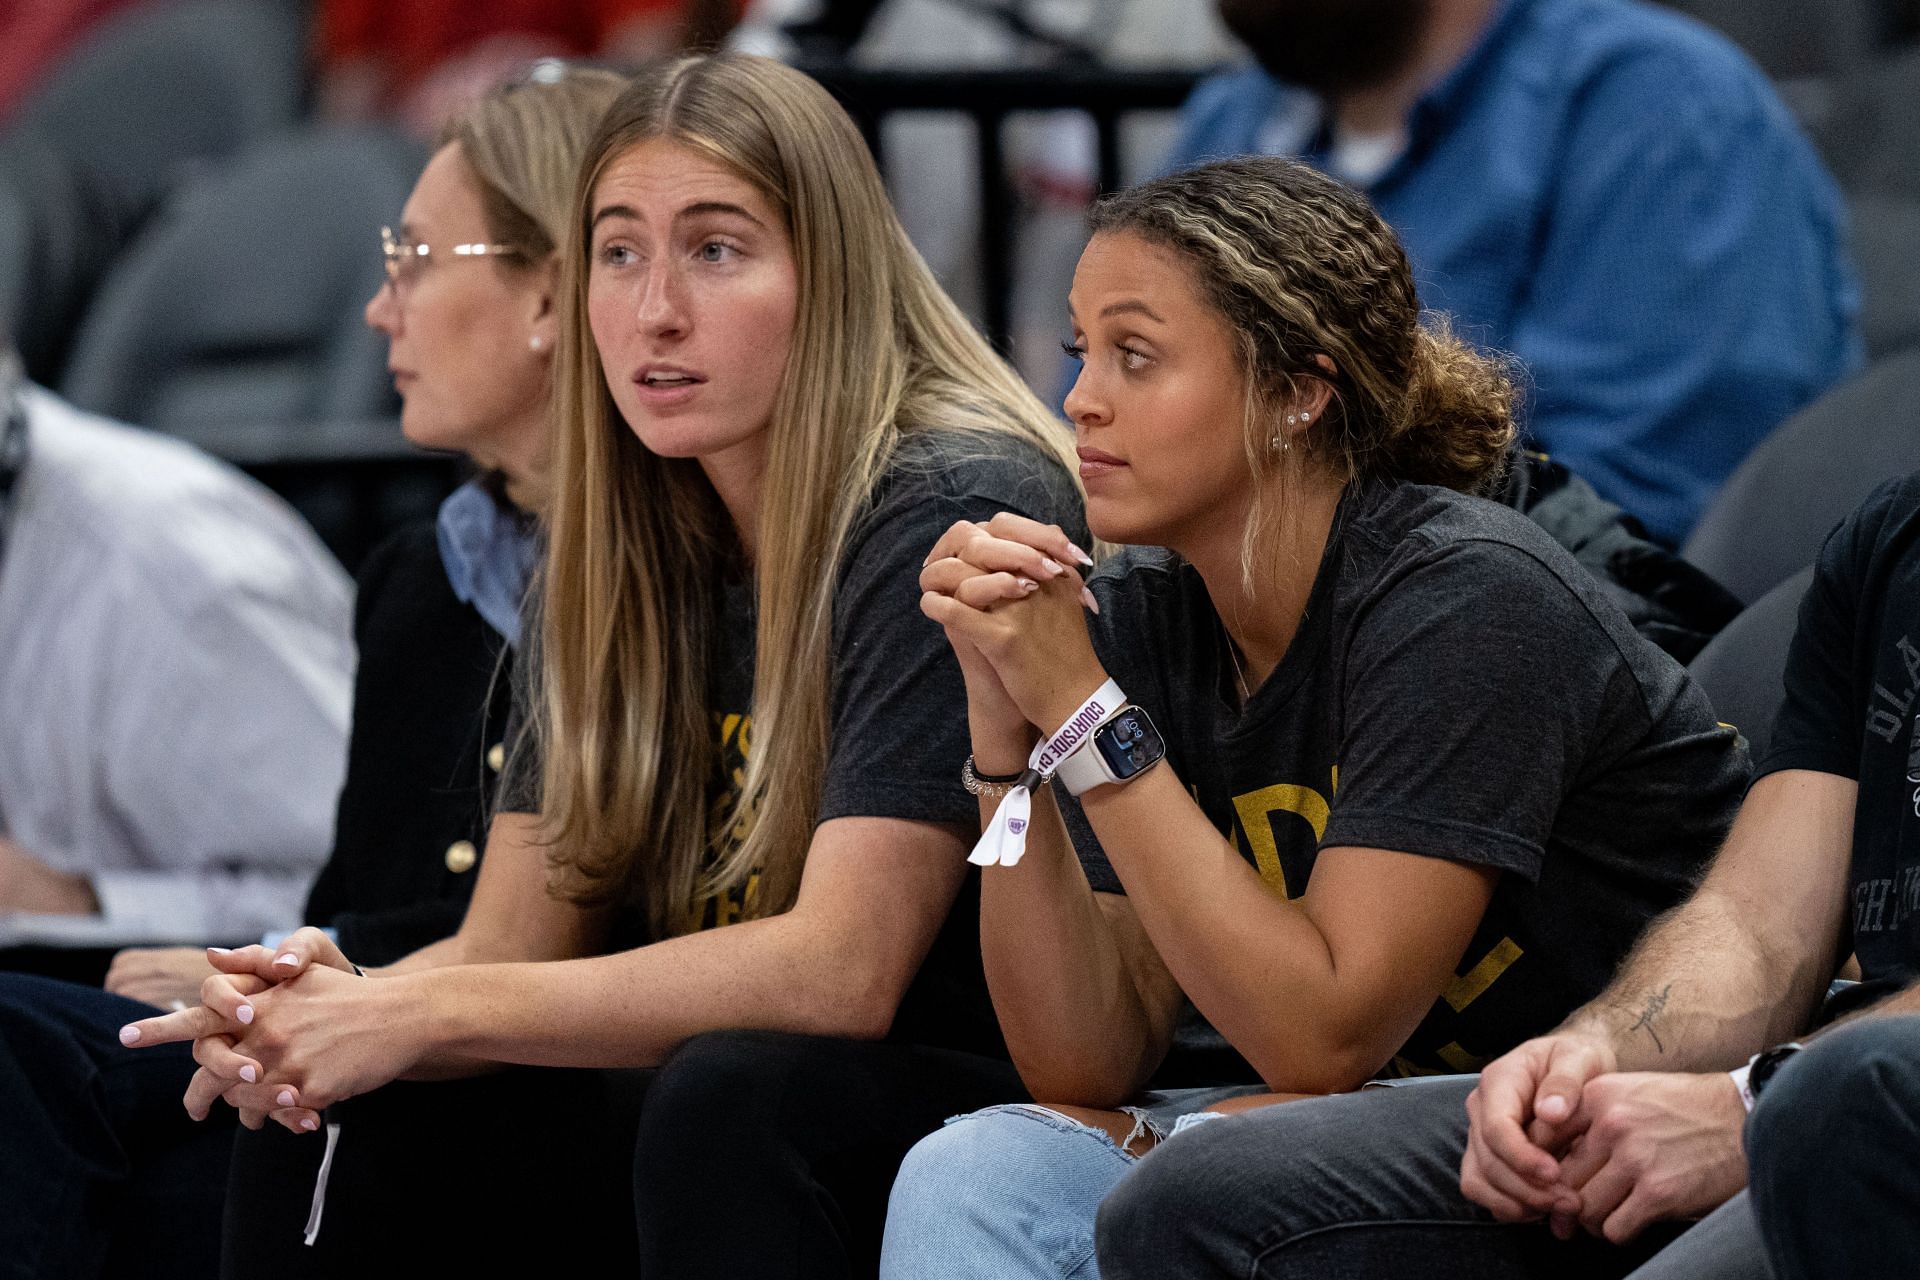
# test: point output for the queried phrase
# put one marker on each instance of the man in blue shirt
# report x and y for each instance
(1607, 190)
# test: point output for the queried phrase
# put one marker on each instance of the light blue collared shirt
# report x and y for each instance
(1614, 194)
(490, 552)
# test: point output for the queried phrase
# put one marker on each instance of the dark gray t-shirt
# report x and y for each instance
(898, 718)
(1851, 681)
(1459, 688)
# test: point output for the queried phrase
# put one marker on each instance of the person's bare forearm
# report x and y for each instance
(1700, 993)
(1074, 1021)
(1744, 962)
(435, 955)
(633, 1008)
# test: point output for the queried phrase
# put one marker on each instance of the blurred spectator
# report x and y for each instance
(1608, 190)
(175, 668)
(422, 62)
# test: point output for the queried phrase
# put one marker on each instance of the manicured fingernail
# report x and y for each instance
(1086, 598)
(244, 1013)
(1027, 586)
(221, 951)
(248, 1074)
(1052, 566)
(1080, 555)
(309, 1124)
(289, 959)
(286, 1098)
(129, 1034)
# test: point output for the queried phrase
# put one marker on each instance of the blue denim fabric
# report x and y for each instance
(1004, 1193)
(1013, 1191)
(1614, 194)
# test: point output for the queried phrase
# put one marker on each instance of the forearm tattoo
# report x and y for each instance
(1655, 1003)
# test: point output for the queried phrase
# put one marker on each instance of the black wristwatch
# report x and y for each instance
(1765, 1065)
(1122, 749)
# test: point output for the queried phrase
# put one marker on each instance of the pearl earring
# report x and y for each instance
(534, 343)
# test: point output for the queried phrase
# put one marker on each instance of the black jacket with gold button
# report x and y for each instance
(429, 706)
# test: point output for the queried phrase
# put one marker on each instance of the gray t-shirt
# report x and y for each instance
(1459, 688)
(898, 716)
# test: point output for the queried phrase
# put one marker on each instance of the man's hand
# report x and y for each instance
(28, 884)
(1654, 1146)
(165, 977)
(1521, 1119)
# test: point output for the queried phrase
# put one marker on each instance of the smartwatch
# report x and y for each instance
(1120, 750)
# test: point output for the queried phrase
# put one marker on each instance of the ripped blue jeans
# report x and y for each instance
(1011, 1192)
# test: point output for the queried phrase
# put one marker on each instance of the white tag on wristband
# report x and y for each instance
(1004, 841)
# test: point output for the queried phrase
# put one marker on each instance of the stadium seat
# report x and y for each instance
(162, 85)
(130, 113)
(1886, 246)
(1741, 668)
(1770, 517)
(1792, 37)
(243, 301)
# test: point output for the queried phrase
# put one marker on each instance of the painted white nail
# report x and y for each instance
(1086, 598)
(286, 1098)
(129, 1034)
(288, 958)
(309, 1124)
(244, 1013)
(248, 1074)
(1080, 555)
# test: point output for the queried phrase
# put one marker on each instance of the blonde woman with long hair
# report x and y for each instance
(766, 411)
(1372, 775)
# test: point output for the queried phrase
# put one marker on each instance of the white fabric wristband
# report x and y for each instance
(1004, 841)
(1739, 1077)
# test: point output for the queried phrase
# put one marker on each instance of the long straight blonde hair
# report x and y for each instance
(639, 542)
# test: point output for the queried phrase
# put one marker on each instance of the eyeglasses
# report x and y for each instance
(404, 258)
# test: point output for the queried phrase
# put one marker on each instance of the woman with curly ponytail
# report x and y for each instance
(1354, 773)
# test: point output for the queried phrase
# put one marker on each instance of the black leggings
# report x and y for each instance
(749, 1153)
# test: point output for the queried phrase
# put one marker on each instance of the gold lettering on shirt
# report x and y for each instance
(1256, 809)
(1472, 984)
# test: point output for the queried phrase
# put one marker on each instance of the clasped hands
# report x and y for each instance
(282, 1033)
(1556, 1132)
(1010, 596)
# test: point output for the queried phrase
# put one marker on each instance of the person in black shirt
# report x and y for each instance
(731, 845)
(1423, 784)
(1690, 1086)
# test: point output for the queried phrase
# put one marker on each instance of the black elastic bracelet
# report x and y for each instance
(991, 786)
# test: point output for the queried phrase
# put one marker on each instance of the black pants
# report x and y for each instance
(101, 1171)
(748, 1154)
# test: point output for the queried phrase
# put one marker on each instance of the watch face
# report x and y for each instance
(1129, 743)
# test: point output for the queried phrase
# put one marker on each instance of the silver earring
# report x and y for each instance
(534, 343)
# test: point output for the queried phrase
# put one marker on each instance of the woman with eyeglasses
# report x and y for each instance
(107, 1178)
(1355, 774)
(731, 849)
